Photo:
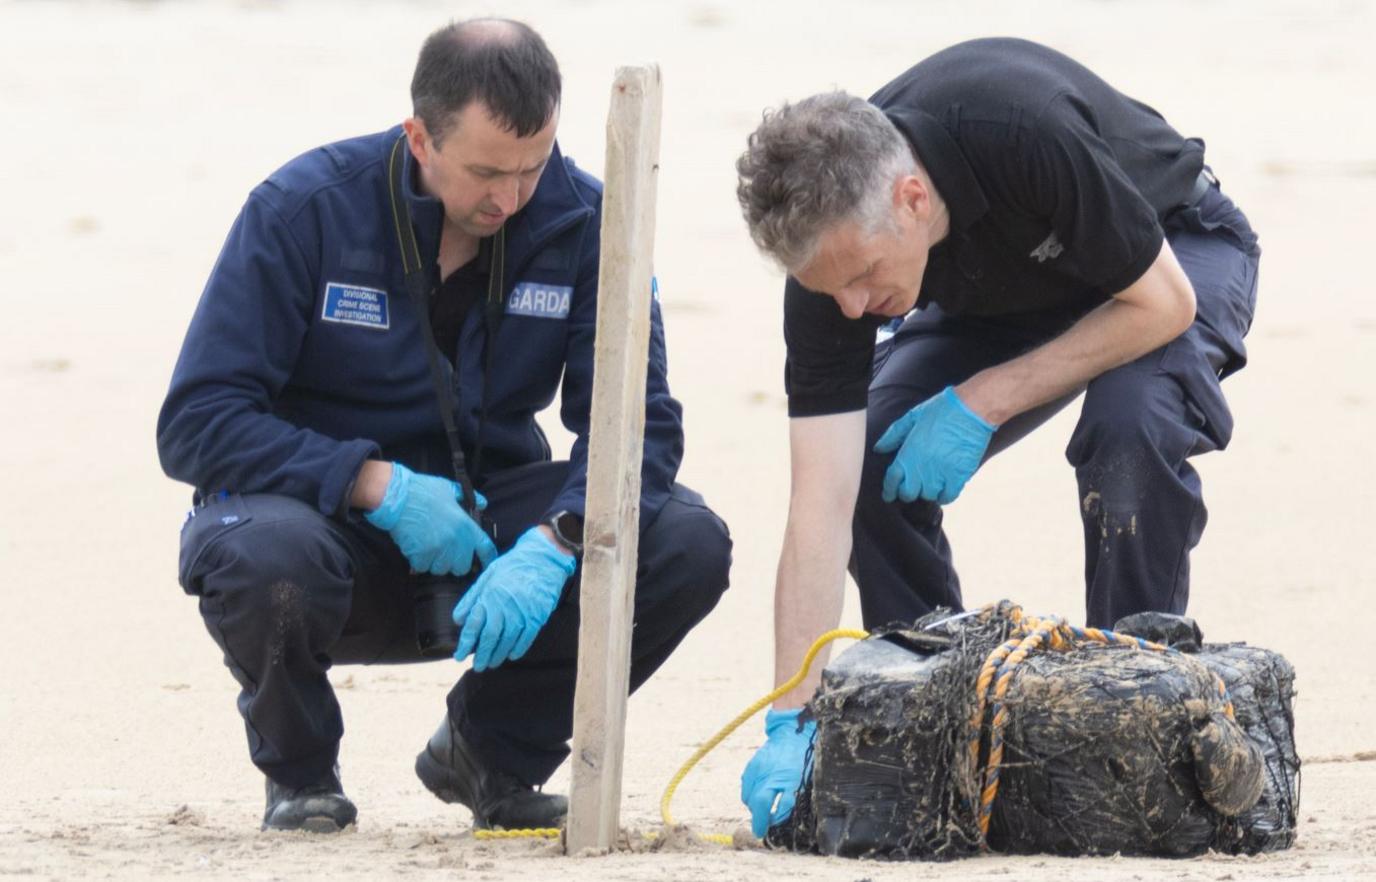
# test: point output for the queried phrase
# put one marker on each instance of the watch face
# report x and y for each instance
(569, 526)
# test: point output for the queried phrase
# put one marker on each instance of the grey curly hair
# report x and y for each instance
(825, 160)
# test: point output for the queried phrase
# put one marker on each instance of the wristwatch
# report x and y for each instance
(567, 527)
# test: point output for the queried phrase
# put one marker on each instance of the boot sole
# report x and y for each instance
(322, 825)
(313, 824)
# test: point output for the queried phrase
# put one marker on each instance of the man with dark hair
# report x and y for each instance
(355, 405)
(1025, 234)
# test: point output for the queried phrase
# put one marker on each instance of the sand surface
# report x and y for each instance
(133, 131)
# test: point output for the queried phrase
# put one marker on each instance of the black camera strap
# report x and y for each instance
(419, 289)
(492, 320)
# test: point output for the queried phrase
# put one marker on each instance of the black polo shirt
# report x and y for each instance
(1057, 186)
(455, 296)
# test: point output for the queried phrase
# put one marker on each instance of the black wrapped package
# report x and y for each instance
(1105, 747)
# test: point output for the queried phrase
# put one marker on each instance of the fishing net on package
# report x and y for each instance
(999, 730)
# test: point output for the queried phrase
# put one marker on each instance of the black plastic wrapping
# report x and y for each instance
(1108, 748)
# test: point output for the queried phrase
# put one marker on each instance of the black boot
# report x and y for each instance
(321, 807)
(449, 768)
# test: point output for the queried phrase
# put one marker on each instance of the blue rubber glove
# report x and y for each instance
(423, 516)
(511, 601)
(776, 770)
(940, 444)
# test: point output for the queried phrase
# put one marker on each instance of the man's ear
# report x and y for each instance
(910, 194)
(418, 139)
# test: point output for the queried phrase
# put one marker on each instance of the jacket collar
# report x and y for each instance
(554, 207)
(940, 155)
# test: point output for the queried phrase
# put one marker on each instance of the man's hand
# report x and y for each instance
(511, 601)
(423, 516)
(940, 444)
(776, 770)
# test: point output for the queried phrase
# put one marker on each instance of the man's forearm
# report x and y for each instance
(1150, 313)
(827, 453)
(807, 603)
(1098, 342)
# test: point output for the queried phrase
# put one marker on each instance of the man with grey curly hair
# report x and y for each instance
(793, 188)
(988, 237)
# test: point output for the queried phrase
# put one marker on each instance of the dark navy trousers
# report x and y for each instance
(287, 593)
(1139, 497)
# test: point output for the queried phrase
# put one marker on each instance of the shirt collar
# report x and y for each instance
(427, 212)
(939, 153)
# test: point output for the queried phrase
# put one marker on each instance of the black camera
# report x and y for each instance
(434, 599)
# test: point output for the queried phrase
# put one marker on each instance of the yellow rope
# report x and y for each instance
(719, 838)
(744, 715)
(526, 833)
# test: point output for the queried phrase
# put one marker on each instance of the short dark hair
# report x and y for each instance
(502, 63)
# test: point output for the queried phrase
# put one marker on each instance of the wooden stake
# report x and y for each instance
(611, 529)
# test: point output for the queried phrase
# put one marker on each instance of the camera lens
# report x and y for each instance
(435, 598)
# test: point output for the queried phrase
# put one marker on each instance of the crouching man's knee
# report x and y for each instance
(686, 555)
(266, 566)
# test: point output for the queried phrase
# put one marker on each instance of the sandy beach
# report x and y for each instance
(132, 131)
